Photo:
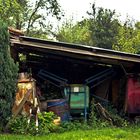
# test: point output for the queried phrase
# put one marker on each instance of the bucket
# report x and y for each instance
(60, 107)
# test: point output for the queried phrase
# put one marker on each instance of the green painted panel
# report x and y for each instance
(77, 96)
(78, 100)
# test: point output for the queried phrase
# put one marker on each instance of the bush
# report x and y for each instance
(46, 124)
(117, 119)
(98, 122)
(20, 125)
(8, 75)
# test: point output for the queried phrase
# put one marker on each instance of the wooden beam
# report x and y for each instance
(22, 103)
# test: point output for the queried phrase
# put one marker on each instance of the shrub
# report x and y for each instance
(8, 75)
(46, 124)
(98, 122)
(117, 119)
(20, 125)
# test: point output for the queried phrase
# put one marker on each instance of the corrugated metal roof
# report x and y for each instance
(74, 50)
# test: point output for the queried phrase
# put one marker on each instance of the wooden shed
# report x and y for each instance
(104, 71)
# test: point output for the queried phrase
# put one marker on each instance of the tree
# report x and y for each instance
(99, 30)
(137, 37)
(75, 33)
(8, 75)
(104, 27)
(31, 17)
(128, 38)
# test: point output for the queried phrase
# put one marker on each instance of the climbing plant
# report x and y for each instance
(8, 75)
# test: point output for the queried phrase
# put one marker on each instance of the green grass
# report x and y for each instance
(97, 134)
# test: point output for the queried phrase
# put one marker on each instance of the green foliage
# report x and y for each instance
(117, 119)
(99, 30)
(98, 122)
(128, 38)
(29, 16)
(103, 29)
(8, 10)
(73, 126)
(20, 124)
(8, 75)
(46, 124)
(75, 33)
(104, 26)
(94, 119)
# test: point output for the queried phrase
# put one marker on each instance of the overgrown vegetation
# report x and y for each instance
(105, 116)
(8, 76)
(20, 124)
(46, 123)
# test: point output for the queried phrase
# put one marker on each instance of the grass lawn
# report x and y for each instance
(101, 134)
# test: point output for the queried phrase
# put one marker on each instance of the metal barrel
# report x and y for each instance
(60, 107)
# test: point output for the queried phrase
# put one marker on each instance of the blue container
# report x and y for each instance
(60, 107)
